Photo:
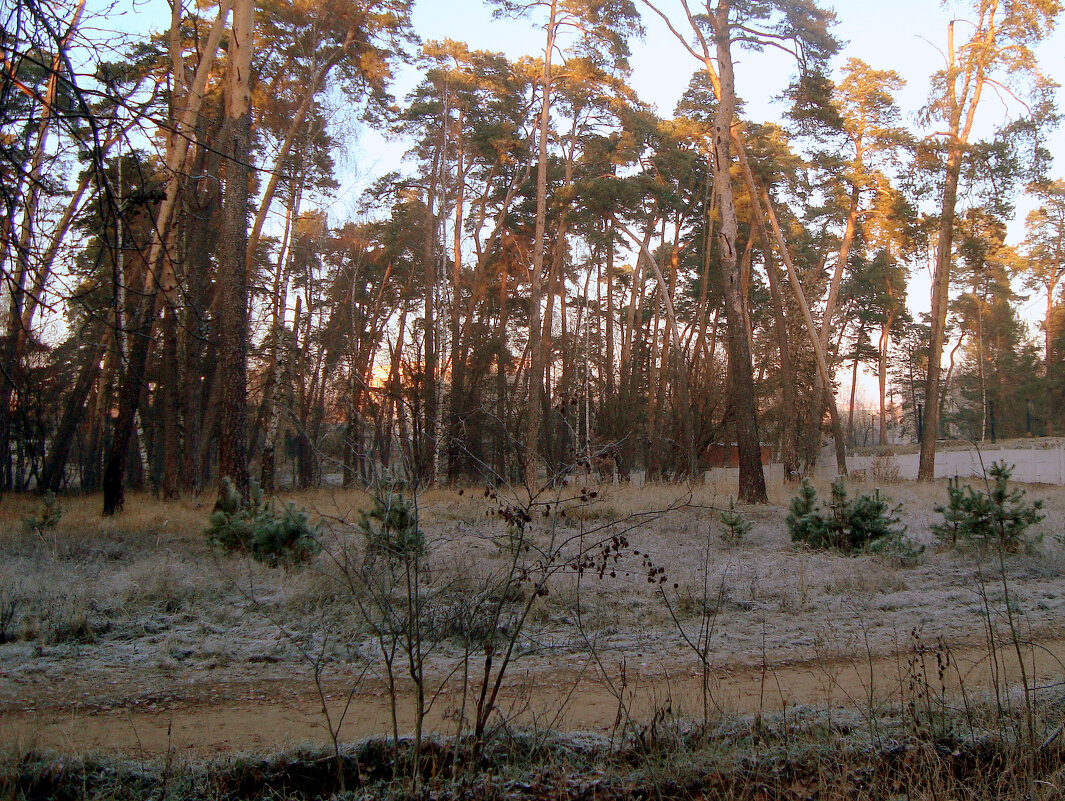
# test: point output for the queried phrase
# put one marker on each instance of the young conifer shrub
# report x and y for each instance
(847, 526)
(390, 528)
(45, 522)
(998, 515)
(255, 527)
(804, 520)
(734, 525)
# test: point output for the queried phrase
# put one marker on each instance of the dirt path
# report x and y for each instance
(262, 716)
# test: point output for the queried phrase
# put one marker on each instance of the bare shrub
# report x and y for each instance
(64, 618)
(8, 611)
(885, 467)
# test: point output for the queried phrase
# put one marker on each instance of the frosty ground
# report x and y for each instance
(132, 634)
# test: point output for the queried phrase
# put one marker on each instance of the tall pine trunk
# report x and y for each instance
(232, 281)
(531, 439)
(743, 400)
(940, 297)
(129, 396)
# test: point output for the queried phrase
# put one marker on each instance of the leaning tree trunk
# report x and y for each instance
(789, 407)
(823, 397)
(741, 370)
(73, 411)
(811, 330)
(128, 402)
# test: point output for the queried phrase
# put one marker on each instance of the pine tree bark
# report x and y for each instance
(128, 402)
(458, 457)
(531, 439)
(741, 370)
(965, 83)
(926, 470)
(608, 361)
(173, 413)
(232, 260)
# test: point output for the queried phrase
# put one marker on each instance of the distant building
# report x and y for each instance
(729, 455)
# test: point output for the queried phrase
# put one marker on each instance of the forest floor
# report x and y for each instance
(132, 636)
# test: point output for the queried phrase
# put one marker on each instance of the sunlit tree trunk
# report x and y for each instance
(741, 371)
(531, 438)
(788, 406)
(232, 261)
(812, 333)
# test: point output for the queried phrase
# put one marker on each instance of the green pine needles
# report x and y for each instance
(51, 513)
(846, 526)
(390, 528)
(997, 516)
(734, 526)
(257, 528)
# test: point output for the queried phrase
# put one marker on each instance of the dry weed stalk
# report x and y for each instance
(386, 569)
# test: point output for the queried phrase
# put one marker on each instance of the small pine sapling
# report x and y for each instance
(870, 520)
(390, 528)
(999, 515)
(256, 528)
(804, 519)
(48, 519)
(836, 533)
(848, 527)
(954, 513)
(735, 526)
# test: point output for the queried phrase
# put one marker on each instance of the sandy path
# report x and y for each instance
(261, 716)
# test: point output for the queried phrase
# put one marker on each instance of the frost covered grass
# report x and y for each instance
(99, 614)
(92, 576)
(154, 556)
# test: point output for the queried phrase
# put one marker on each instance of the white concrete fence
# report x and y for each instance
(1034, 465)
(1030, 465)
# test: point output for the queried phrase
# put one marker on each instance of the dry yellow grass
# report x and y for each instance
(144, 517)
(114, 608)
